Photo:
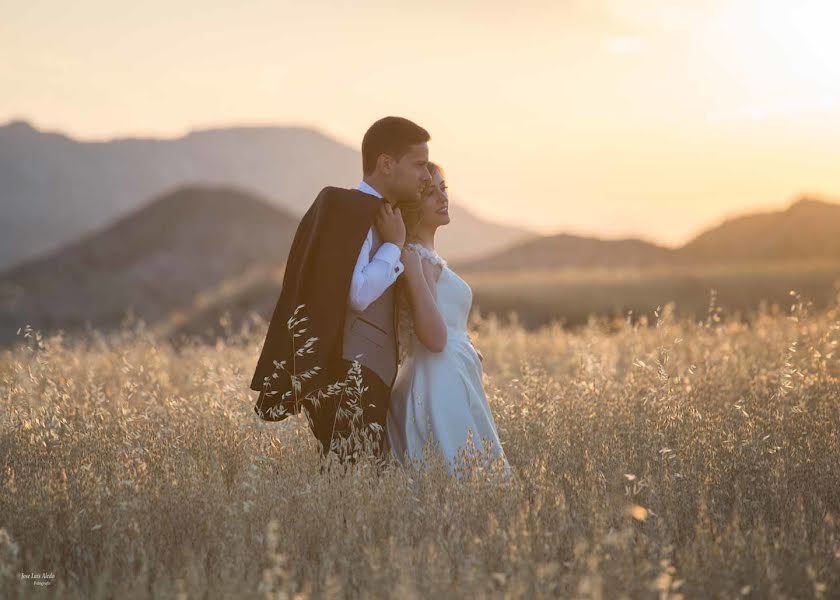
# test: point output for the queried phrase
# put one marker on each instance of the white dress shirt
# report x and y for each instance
(372, 277)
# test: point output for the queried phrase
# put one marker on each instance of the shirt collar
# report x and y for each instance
(367, 189)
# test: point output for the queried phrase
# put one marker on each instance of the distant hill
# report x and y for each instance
(155, 260)
(565, 251)
(468, 236)
(54, 189)
(808, 228)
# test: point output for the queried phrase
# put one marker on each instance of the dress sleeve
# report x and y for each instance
(428, 255)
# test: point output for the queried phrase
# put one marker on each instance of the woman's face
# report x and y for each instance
(435, 208)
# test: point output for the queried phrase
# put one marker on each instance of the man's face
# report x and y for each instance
(410, 176)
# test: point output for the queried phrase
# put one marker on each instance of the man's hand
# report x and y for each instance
(390, 225)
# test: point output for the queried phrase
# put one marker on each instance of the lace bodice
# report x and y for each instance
(427, 254)
(454, 300)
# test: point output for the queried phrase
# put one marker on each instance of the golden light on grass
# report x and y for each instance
(132, 466)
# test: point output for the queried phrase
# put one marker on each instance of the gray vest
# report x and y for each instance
(372, 332)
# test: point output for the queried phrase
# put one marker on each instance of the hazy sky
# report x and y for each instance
(647, 117)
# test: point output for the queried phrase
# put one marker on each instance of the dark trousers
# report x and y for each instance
(374, 405)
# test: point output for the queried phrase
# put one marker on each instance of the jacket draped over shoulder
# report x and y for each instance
(318, 273)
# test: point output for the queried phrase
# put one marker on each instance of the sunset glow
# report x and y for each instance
(604, 117)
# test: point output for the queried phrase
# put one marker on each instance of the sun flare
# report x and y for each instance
(801, 39)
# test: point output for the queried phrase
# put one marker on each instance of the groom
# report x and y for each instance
(342, 266)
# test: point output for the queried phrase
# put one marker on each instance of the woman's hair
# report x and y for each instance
(410, 209)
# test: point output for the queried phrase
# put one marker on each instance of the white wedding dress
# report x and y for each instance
(438, 397)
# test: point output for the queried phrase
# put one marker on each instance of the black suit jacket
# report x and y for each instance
(318, 275)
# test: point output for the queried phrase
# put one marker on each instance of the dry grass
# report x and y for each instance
(681, 458)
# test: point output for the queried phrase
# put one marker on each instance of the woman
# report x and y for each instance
(438, 396)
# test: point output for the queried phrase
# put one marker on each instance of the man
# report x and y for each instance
(338, 300)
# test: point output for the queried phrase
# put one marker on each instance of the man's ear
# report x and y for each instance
(385, 163)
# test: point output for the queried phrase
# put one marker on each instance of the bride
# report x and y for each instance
(437, 397)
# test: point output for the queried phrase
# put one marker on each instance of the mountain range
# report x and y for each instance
(187, 257)
(55, 189)
(191, 253)
(808, 228)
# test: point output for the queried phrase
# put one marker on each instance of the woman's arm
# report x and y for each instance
(421, 283)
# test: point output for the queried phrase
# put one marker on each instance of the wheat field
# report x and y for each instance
(663, 459)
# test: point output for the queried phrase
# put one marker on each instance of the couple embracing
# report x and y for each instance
(369, 335)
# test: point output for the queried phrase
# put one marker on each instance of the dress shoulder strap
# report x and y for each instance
(427, 254)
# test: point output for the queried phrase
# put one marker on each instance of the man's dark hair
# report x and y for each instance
(392, 136)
